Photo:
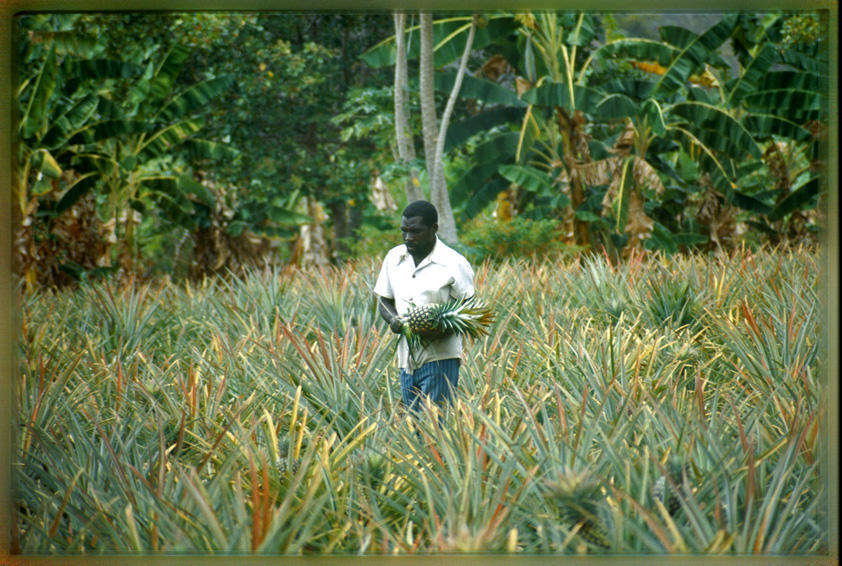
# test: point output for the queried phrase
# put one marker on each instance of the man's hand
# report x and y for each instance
(396, 325)
(390, 314)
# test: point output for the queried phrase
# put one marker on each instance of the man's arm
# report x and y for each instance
(390, 314)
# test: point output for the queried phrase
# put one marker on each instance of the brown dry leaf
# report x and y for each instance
(717, 216)
(646, 175)
(639, 225)
(625, 141)
(522, 85)
(497, 66)
(600, 172)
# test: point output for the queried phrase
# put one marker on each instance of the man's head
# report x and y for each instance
(419, 224)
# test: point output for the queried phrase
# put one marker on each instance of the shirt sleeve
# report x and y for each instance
(383, 286)
(463, 284)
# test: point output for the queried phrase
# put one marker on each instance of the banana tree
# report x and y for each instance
(81, 135)
(612, 126)
(141, 151)
(732, 121)
(55, 103)
(782, 92)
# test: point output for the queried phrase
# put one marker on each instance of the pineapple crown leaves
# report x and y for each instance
(462, 316)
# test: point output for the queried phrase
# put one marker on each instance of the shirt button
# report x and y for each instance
(413, 276)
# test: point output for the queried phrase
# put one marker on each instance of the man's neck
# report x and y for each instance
(422, 256)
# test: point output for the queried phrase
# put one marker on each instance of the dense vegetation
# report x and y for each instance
(201, 143)
(664, 406)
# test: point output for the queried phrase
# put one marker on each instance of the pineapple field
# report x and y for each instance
(667, 405)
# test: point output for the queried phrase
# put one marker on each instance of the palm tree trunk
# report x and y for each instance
(438, 192)
(403, 133)
(429, 127)
(433, 135)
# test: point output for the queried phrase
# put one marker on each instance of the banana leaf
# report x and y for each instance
(481, 89)
(191, 187)
(748, 202)
(460, 132)
(109, 129)
(677, 36)
(662, 239)
(804, 62)
(526, 177)
(206, 149)
(162, 83)
(170, 195)
(552, 94)
(637, 49)
(717, 129)
(753, 74)
(693, 56)
(794, 104)
(616, 106)
(81, 72)
(584, 32)
(796, 200)
(72, 119)
(483, 195)
(654, 114)
(683, 38)
(66, 42)
(76, 191)
(636, 89)
(798, 80)
(449, 36)
(36, 113)
(195, 98)
(44, 163)
(170, 136)
(766, 125)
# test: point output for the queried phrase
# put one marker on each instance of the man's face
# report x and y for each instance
(418, 237)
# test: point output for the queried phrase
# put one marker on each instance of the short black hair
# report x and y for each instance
(424, 209)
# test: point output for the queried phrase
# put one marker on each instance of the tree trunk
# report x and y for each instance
(429, 126)
(438, 190)
(567, 128)
(403, 133)
(341, 230)
(431, 131)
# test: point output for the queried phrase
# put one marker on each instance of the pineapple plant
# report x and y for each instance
(666, 493)
(578, 497)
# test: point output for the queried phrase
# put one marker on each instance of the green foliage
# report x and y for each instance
(255, 415)
(517, 238)
(294, 77)
(121, 129)
(677, 91)
(375, 236)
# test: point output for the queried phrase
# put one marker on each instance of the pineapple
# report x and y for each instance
(421, 320)
(578, 497)
(668, 494)
(462, 316)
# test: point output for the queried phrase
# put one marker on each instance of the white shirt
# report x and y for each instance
(442, 275)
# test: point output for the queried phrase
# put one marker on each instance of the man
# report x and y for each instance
(424, 271)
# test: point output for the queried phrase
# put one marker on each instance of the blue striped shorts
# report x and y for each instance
(436, 380)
